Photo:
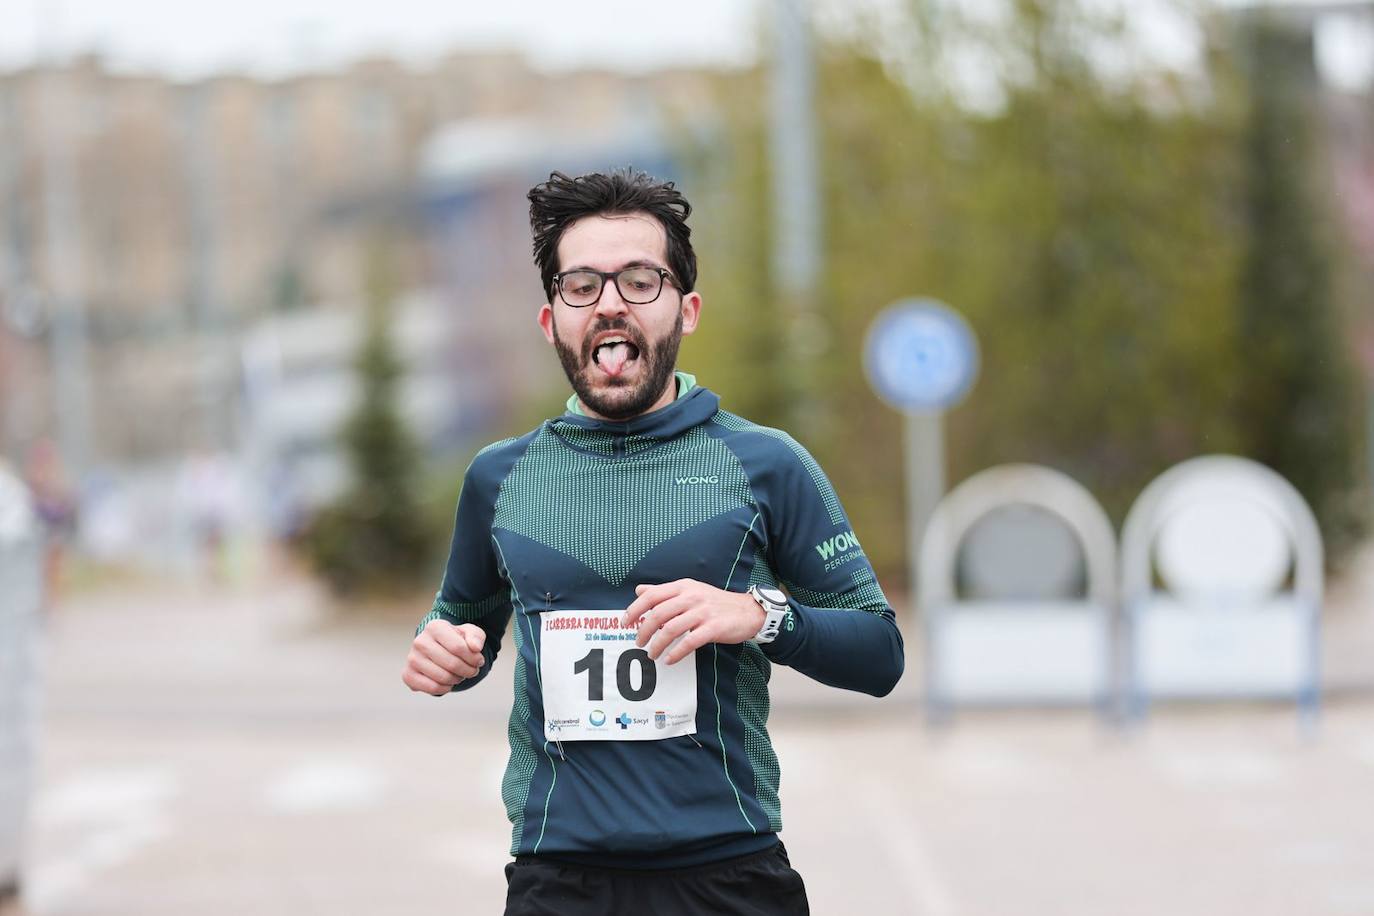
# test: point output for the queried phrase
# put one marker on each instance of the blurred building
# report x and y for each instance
(157, 223)
(300, 382)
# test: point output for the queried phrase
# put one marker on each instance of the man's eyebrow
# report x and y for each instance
(638, 262)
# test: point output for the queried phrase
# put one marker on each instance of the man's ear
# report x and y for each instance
(545, 320)
(691, 312)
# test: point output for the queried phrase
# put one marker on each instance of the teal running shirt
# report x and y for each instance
(575, 514)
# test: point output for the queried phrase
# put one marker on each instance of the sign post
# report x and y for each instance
(921, 358)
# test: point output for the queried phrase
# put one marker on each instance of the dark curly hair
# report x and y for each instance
(559, 202)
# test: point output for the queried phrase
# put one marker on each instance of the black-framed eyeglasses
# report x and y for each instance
(636, 285)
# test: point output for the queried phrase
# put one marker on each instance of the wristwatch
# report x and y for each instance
(775, 611)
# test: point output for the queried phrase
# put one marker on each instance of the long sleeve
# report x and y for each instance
(474, 589)
(841, 630)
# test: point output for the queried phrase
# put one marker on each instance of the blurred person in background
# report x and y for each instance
(55, 505)
(642, 541)
(209, 497)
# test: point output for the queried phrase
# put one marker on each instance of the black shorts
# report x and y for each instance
(758, 884)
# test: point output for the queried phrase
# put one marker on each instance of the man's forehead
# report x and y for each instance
(604, 238)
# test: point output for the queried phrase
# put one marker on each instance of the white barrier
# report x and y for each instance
(1240, 558)
(20, 602)
(1046, 650)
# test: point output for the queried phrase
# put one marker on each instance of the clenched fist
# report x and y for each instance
(442, 655)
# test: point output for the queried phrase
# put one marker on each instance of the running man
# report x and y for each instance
(652, 556)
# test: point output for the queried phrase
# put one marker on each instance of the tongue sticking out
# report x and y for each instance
(612, 357)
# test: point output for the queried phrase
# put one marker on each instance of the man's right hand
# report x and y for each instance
(442, 655)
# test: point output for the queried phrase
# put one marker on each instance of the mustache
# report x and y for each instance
(612, 324)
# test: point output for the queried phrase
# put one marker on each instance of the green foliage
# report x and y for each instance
(737, 346)
(1090, 226)
(1298, 409)
(378, 537)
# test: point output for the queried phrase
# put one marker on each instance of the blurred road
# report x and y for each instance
(248, 753)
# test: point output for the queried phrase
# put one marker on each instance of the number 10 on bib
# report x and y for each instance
(599, 686)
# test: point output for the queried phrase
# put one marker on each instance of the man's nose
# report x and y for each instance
(610, 304)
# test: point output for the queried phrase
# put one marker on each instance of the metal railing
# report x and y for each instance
(1220, 592)
(1052, 648)
(1239, 610)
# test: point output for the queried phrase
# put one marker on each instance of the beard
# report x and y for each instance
(620, 398)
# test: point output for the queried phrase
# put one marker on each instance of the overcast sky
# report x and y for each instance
(272, 37)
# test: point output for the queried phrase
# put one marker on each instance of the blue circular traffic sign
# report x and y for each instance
(921, 356)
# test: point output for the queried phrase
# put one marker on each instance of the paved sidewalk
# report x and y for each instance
(250, 754)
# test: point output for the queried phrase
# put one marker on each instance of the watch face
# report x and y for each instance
(772, 595)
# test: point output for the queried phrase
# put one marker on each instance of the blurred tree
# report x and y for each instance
(377, 537)
(1083, 215)
(738, 349)
(1299, 407)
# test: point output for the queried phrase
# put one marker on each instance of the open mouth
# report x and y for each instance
(614, 354)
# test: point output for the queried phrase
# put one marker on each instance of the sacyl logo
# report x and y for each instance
(840, 543)
(681, 481)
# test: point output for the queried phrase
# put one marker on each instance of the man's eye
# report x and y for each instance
(639, 280)
(580, 284)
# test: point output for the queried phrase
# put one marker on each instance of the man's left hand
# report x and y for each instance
(665, 612)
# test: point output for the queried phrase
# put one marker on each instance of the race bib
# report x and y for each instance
(599, 686)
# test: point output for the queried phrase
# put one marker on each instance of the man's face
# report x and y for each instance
(618, 380)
